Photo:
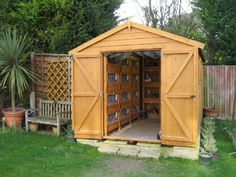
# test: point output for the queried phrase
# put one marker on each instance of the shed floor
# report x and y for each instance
(141, 129)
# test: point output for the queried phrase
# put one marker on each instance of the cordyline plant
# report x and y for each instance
(15, 76)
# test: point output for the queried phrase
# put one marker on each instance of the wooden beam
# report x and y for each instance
(132, 139)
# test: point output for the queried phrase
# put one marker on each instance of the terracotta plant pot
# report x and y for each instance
(211, 112)
(14, 119)
(54, 130)
(33, 127)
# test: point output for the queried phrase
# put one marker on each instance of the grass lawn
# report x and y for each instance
(26, 154)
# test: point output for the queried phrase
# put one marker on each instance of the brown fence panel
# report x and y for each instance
(47, 67)
(219, 88)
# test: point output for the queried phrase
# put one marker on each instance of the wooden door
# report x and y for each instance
(87, 96)
(179, 96)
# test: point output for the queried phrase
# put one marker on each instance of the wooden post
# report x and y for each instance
(69, 59)
(234, 104)
(32, 100)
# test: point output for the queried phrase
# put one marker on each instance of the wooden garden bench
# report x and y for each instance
(55, 113)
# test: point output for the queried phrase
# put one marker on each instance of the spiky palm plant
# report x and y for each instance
(14, 74)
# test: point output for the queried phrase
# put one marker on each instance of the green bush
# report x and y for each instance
(231, 131)
(208, 141)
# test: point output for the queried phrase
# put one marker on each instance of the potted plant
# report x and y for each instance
(14, 75)
(33, 127)
(211, 111)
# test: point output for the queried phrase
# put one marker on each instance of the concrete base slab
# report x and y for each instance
(180, 152)
(141, 150)
(148, 145)
(186, 153)
(116, 142)
(109, 149)
(149, 153)
(129, 151)
(94, 143)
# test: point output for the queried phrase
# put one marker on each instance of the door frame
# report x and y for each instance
(103, 79)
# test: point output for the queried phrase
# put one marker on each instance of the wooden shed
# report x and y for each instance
(137, 83)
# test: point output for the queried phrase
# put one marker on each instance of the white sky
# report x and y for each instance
(131, 9)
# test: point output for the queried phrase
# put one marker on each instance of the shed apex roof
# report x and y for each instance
(131, 24)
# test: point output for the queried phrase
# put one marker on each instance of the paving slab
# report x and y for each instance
(149, 153)
(129, 150)
(148, 145)
(141, 150)
(95, 143)
(116, 142)
(108, 149)
(184, 152)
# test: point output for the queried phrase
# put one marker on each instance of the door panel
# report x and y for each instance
(86, 97)
(179, 97)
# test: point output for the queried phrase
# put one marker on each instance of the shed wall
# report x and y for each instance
(133, 39)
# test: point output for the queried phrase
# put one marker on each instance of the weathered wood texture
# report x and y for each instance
(53, 71)
(180, 101)
(55, 113)
(219, 88)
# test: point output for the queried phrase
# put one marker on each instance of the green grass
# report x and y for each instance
(26, 154)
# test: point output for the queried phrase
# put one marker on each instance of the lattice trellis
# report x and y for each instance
(58, 80)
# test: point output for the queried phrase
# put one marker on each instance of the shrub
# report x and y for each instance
(208, 141)
(231, 131)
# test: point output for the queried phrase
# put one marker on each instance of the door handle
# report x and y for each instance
(193, 96)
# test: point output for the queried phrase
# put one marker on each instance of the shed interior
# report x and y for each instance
(132, 95)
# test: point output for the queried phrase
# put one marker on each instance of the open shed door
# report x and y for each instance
(87, 96)
(178, 101)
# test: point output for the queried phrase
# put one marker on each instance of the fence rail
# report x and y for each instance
(219, 88)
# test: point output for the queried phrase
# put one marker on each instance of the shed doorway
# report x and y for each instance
(132, 96)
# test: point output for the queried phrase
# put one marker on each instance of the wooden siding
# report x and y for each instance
(219, 88)
(179, 116)
(180, 82)
(86, 97)
(133, 39)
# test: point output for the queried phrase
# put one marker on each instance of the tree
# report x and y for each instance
(169, 15)
(6, 7)
(157, 14)
(187, 25)
(219, 21)
(59, 25)
(15, 76)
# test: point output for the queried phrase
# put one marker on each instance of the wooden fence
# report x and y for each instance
(219, 88)
(53, 71)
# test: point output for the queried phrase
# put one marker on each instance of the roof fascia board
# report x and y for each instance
(98, 38)
(168, 35)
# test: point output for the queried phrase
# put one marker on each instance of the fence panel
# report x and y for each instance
(47, 67)
(219, 88)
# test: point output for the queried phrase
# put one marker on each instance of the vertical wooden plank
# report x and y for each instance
(102, 87)
(72, 94)
(69, 77)
(219, 89)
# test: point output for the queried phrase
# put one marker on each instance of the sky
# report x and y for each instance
(131, 9)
